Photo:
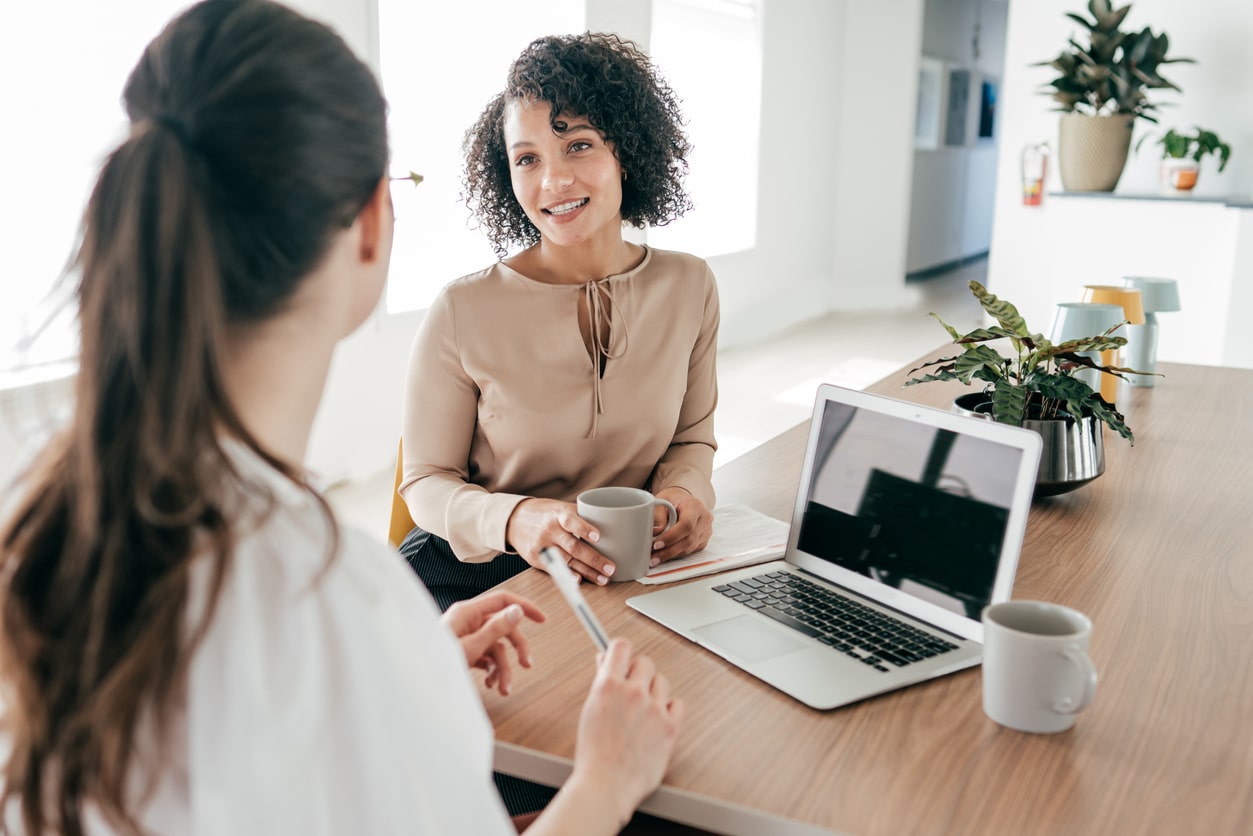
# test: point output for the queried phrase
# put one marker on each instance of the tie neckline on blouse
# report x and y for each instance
(605, 330)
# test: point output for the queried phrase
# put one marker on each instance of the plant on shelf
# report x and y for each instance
(1036, 381)
(1112, 72)
(1107, 77)
(1182, 153)
(1194, 145)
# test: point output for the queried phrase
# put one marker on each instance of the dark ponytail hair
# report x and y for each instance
(256, 136)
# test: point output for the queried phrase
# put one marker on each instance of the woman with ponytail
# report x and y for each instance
(188, 641)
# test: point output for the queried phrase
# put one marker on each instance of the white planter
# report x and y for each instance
(1179, 175)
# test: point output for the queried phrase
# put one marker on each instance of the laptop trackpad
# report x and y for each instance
(749, 639)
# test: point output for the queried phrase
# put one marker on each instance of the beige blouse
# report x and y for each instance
(503, 402)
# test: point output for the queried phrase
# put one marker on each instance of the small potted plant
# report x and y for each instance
(1181, 156)
(1034, 386)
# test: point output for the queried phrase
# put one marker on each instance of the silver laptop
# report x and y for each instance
(908, 521)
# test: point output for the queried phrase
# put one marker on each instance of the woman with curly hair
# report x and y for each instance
(583, 360)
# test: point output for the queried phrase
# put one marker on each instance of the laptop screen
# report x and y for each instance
(908, 505)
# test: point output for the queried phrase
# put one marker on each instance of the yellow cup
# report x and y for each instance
(1132, 304)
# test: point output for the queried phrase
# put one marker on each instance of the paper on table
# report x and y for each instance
(741, 537)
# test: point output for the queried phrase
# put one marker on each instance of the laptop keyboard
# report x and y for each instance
(865, 634)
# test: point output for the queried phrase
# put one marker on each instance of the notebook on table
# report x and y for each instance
(908, 521)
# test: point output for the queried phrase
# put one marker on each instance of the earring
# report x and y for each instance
(624, 175)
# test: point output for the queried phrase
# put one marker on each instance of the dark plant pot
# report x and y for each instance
(1074, 451)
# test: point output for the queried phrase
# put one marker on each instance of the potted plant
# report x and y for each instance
(1034, 386)
(1101, 90)
(1182, 153)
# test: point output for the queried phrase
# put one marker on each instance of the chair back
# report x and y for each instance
(400, 523)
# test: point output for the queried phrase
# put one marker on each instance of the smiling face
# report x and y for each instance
(569, 183)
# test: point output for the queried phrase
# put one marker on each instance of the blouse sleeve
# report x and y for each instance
(688, 461)
(440, 411)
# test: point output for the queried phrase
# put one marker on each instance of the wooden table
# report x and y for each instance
(1158, 551)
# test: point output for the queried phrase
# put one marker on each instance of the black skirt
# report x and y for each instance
(449, 579)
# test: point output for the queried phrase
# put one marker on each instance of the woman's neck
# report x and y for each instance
(275, 375)
(547, 262)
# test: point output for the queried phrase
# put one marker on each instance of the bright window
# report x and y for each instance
(441, 63)
(64, 65)
(720, 86)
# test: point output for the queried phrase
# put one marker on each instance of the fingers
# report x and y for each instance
(499, 669)
(537, 524)
(677, 708)
(660, 688)
(616, 661)
(642, 671)
(477, 643)
(672, 549)
(681, 542)
(586, 563)
(661, 516)
(594, 567)
(687, 536)
(498, 599)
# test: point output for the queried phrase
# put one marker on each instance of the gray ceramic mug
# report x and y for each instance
(624, 517)
(1037, 674)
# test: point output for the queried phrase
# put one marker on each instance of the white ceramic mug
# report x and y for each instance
(1037, 674)
(624, 518)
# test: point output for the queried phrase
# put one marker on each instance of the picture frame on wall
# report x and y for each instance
(989, 90)
(957, 107)
(930, 106)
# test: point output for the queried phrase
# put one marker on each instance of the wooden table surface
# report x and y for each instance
(1158, 551)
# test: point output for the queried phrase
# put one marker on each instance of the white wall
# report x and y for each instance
(1026, 254)
(1238, 348)
(836, 155)
(874, 153)
(953, 188)
(835, 162)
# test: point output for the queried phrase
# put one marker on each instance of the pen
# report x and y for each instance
(569, 586)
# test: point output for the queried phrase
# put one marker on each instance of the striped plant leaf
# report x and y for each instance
(982, 335)
(979, 357)
(1009, 403)
(1003, 312)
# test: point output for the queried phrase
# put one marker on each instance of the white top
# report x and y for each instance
(324, 705)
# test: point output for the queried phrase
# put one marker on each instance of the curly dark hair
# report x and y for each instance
(610, 81)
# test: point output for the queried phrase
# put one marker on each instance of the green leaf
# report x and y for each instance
(1101, 343)
(944, 374)
(980, 357)
(937, 362)
(412, 175)
(982, 335)
(952, 332)
(988, 376)
(1009, 403)
(1111, 417)
(1059, 387)
(1003, 312)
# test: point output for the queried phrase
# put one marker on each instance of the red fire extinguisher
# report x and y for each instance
(1035, 161)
